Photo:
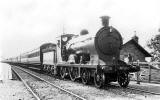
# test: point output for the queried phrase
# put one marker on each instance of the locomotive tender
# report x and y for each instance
(85, 57)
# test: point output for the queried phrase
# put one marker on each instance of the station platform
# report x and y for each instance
(5, 71)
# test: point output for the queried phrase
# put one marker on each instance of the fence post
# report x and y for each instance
(138, 79)
(149, 76)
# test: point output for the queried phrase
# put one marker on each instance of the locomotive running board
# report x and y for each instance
(78, 65)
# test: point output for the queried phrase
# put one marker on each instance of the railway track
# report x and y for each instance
(141, 90)
(138, 88)
(114, 89)
(77, 97)
(26, 85)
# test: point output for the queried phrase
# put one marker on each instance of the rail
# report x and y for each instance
(71, 93)
(28, 88)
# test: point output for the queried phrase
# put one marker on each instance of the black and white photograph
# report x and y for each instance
(79, 50)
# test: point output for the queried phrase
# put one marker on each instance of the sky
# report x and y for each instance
(26, 24)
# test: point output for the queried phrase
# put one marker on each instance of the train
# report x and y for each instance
(91, 58)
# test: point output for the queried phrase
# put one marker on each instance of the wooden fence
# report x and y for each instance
(150, 72)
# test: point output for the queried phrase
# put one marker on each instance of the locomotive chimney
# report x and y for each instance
(105, 21)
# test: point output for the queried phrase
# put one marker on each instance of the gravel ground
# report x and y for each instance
(92, 93)
(147, 86)
(14, 90)
(47, 92)
(43, 89)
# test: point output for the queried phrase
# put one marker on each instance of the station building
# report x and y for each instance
(133, 48)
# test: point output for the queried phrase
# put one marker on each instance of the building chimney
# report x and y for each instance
(135, 38)
(105, 21)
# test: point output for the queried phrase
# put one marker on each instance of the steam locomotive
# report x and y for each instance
(86, 57)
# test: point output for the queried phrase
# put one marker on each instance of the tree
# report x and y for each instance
(154, 45)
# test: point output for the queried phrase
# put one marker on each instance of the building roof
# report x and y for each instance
(147, 54)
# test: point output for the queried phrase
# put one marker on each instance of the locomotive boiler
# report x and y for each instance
(103, 48)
